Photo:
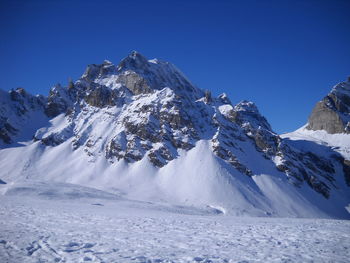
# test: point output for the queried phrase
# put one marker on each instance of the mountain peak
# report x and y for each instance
(136, 55)
(133, 61)
(246, 105)
(332, 113)
(107, 62)
(247, 112)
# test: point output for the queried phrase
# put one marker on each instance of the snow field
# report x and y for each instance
(99, 227)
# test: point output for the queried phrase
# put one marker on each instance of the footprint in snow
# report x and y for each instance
(98, 204)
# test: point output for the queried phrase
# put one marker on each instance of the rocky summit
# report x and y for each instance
(143, 129)
(332, 114)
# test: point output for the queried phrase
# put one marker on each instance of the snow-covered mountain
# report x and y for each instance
(329, 123)
(143, 130)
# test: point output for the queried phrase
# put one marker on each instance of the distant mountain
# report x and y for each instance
(142, 129)
(332, 114)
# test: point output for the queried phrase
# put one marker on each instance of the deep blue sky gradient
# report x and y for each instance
(283, 55)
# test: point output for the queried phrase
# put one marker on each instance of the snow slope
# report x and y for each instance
(66, 223)
(196, 178)
(340, 142)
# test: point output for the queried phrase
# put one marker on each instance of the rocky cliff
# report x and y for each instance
(332, 113)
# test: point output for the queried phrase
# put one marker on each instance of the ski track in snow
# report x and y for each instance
(84, 230)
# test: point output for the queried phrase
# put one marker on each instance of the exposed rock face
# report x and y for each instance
(317, 171)
(16, 108)
(135, 83)
(57, 101)
(346, 169)
(332, 114)
(256, 127)
(101, 97)
(134, 61)
(148, 109)
(6, 131)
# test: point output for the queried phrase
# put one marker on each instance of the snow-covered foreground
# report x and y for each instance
(67, 223)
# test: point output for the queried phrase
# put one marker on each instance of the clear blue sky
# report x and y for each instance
(283, 55)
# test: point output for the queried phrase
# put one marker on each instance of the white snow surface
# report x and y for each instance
(339, 142)
(196, 178)
(56, 222)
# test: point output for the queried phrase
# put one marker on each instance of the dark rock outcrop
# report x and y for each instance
(332, 114)
(57, 101)
(101, 97)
